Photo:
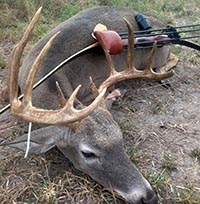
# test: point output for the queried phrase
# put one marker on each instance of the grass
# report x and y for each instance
(173, 194)
(37, 185)
(135, 155)
(2, 63)
(13, 20)
(168, 162)
(196, 153)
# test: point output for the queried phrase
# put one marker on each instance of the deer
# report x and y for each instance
(71, 104)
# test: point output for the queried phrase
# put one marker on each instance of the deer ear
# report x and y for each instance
(41, 141)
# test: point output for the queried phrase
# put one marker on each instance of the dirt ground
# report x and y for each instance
(157, 122)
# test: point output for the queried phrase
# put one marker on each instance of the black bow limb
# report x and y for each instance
(175, 37)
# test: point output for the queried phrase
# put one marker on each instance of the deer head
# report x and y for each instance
(89, 136)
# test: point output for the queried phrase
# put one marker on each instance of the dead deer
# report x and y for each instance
(87, 134)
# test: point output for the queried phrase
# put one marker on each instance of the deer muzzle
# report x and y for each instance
(135, 188)
(120, 175)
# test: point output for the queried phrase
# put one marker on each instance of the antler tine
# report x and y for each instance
(148, 71)
(14, 62)
(69, 106)
(108, 56)
(130, 58)
(34, 69)
(60, 94)
(93, 88)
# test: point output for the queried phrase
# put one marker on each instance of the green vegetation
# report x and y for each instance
(13, 20)
(168, 162)
(196, 153)
(172, 194)
(2, 63)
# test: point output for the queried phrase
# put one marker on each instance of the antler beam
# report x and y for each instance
(24, 109)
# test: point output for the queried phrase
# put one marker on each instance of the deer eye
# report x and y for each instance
(89, 155)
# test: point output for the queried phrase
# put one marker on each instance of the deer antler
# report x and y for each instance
(24, 109)
(130, 72)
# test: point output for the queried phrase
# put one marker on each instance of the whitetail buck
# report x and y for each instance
(87, 134)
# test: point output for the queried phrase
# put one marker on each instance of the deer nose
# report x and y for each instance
(142, 197)
(151, 199)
